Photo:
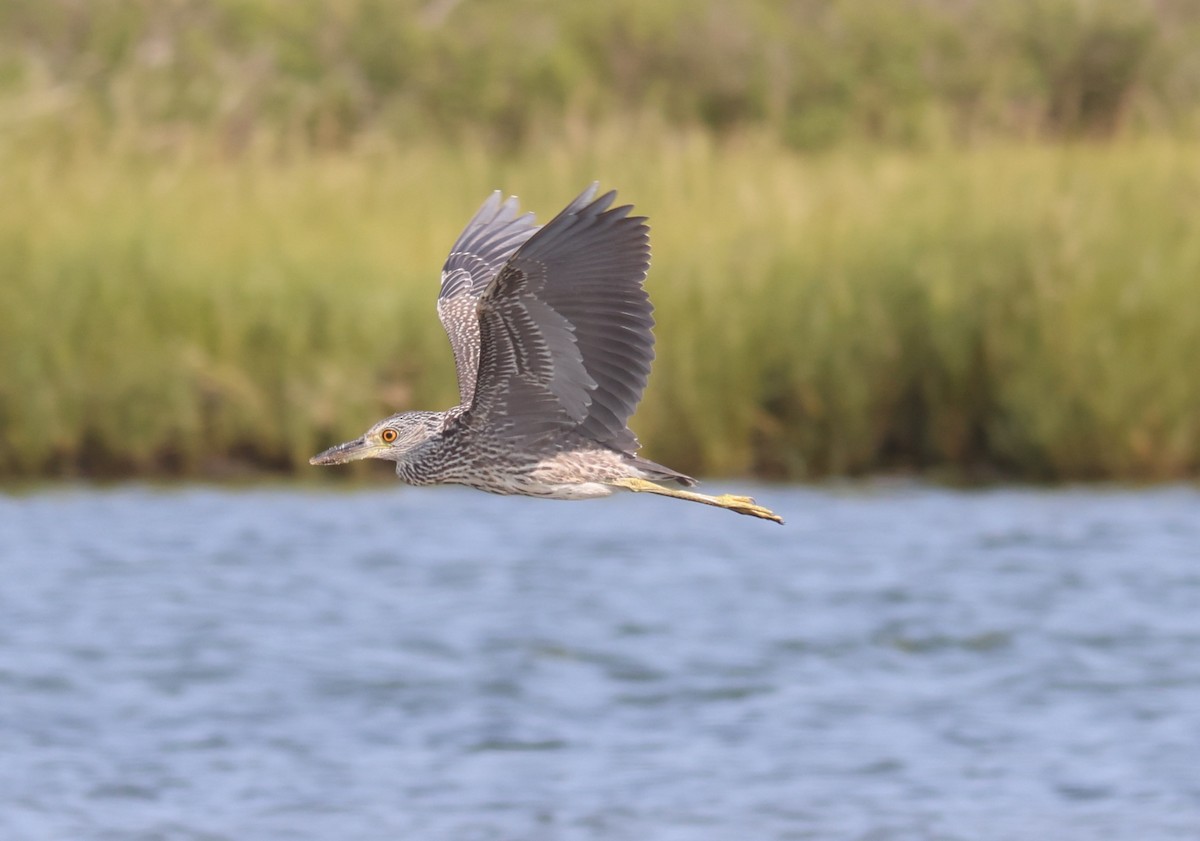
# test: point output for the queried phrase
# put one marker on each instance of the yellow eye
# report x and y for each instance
(388, 435)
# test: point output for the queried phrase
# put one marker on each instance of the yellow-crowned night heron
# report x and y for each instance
(551, 332)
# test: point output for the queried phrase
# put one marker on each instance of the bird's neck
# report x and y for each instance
(425, 463)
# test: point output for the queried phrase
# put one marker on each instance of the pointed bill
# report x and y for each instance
(350, 451)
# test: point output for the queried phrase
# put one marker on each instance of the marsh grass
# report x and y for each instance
(1032, 310)
(314, 74)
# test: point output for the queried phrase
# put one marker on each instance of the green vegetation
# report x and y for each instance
(946, 235)
(329, 74)
(1030, 309)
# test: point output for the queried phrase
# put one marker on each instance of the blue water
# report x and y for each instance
(898, 662)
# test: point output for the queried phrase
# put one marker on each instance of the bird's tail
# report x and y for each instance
(660, 473)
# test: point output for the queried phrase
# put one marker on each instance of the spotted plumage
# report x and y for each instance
(551, 333)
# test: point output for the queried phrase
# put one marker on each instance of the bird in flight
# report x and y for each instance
(552, 341)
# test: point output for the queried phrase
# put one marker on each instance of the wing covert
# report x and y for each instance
(489, 239)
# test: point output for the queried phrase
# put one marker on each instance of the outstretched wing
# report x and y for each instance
(565, 328)
(489, 239)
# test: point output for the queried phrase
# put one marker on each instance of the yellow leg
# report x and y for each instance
(740, 504)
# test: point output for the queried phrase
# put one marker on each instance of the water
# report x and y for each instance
(898, 662)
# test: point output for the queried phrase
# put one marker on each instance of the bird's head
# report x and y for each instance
(391, 439)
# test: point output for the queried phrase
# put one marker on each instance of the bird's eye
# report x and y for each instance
(389, 435)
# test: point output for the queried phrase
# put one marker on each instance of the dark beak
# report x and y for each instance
(342, 453)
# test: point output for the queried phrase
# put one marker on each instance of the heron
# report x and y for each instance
(551, 331)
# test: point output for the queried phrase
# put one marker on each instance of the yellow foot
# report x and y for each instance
(732, 502)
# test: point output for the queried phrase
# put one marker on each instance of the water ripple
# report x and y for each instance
(898, 662)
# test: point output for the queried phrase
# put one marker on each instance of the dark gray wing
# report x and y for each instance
(566, 326)
(489, 239)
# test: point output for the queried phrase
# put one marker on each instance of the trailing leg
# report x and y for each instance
(732, 502)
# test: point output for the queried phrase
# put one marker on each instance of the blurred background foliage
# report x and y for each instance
(952, 236)
(324, 74)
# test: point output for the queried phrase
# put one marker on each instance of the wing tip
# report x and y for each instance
(496, 208)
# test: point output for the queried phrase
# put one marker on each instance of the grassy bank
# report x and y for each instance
(1034, 310)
